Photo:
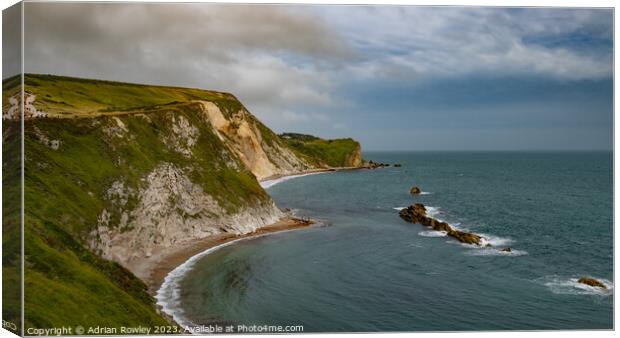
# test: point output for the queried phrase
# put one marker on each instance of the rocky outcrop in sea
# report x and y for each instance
(592, 282)
(416, 213)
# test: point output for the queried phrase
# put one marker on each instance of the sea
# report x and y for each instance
(361, 268)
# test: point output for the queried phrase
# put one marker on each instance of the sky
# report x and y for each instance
(392, 77)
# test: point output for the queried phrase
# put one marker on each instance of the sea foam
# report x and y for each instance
(495, 241)
(169, 295)
(571, 286)
(432, 211)
(496, 252)
(432, 233)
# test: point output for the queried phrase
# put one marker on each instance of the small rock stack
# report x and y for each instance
(416, 213)
(591, 282)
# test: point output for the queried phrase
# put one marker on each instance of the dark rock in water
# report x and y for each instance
(374, 165)
(442, 226)
(419, 208)
(415, 190)
(591, 282)
(416, 213)
(397, 165)
(488, 245)
(465, 237)
(507, 250)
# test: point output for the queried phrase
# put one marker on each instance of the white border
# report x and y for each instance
(495, 3)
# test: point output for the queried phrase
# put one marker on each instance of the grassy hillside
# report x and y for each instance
(65, 283)
(63, 193)
(11, 219)
(67, 96)
(99, 133)
(10, 86)
(320, 152)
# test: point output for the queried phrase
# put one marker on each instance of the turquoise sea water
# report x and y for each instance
(367, 270)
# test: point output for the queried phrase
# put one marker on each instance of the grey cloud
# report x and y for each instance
(292, 64)
(430, 42)
(242, 49)
(11, 40)
(186, 29)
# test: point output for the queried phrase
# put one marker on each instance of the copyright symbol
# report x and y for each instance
(79, 330)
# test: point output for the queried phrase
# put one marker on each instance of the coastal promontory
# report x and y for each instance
(118, 173)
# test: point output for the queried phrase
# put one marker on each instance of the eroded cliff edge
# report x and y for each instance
(120, 171)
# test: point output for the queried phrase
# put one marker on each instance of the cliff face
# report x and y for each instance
(257, 146)
(167, 176)
(354, 159)
(117, 171)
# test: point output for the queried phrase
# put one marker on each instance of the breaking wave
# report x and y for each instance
(496, 252)
(432, 233)
(571, 286)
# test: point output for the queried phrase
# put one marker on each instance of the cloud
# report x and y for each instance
(296, 54)
(297, 67)
(423, 42)
(290, 116)
(11, 39)
(268, 79)
(198, 28)
(266, 55)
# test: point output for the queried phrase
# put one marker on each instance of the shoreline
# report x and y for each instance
(274, 179)
(162, 271)
(167, 275)
(156, 268)
(299, 173)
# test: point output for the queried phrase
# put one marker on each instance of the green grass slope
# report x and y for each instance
(63, 96)
(63, 193)
(65, 283)
(66, 184)
(320, 152)
(11, 230)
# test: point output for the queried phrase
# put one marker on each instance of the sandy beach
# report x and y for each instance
(265, 182)
(154, 269)
(305, 172)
